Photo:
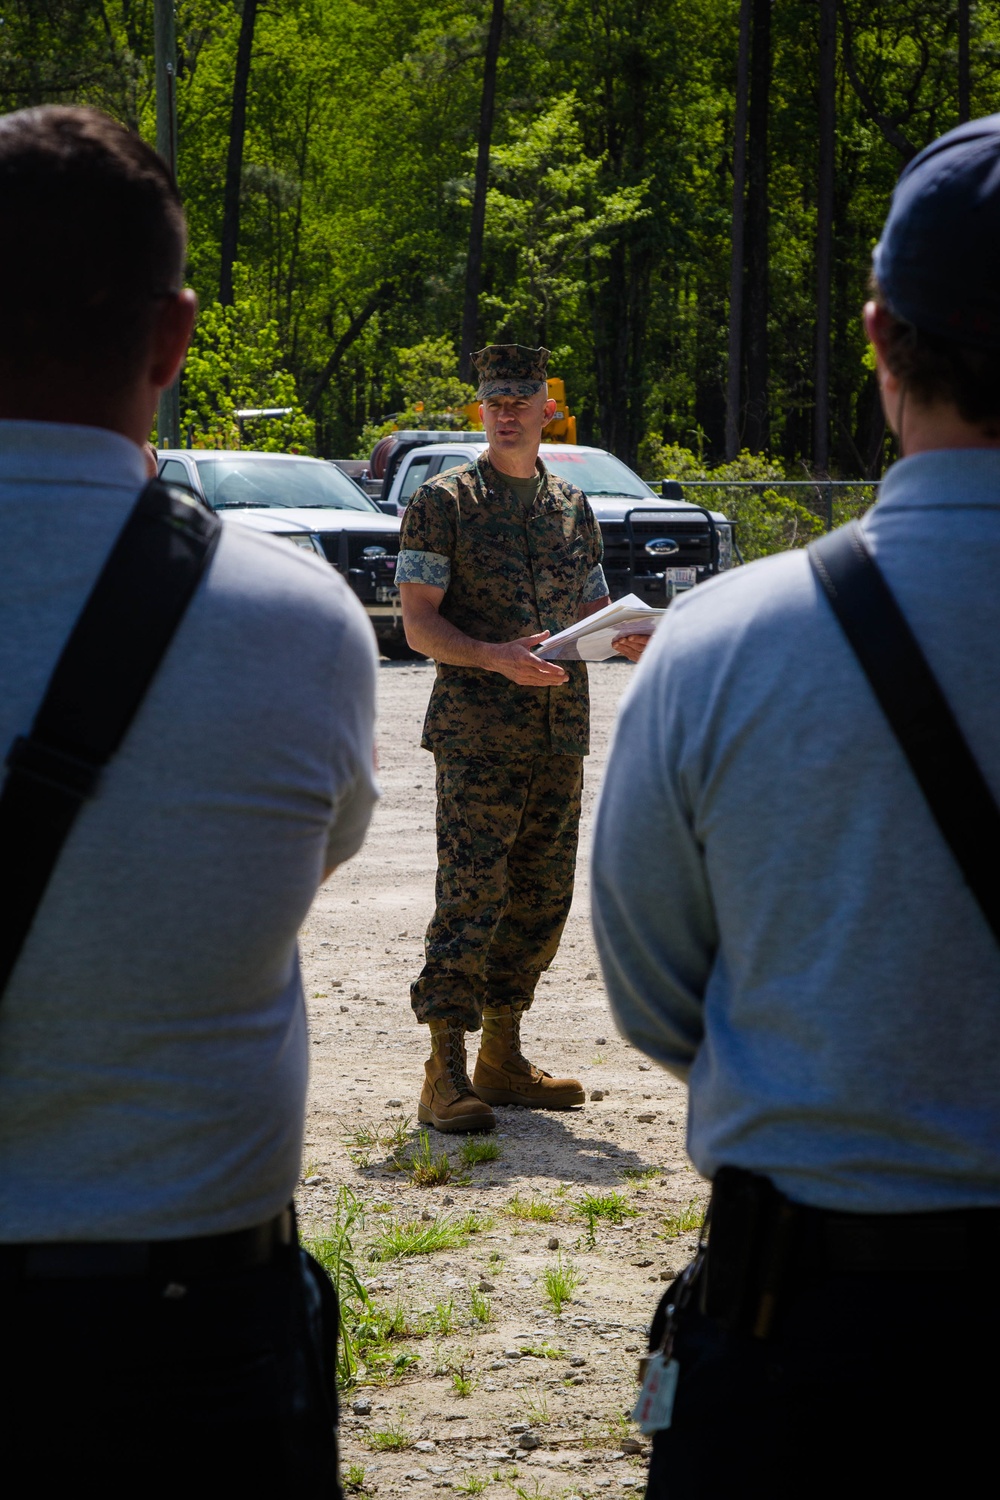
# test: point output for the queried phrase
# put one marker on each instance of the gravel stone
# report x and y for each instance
(553, 1243)
(596, 1095)
(362, 1407)
(527, 1441)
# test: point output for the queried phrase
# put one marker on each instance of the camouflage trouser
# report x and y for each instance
(506, 838)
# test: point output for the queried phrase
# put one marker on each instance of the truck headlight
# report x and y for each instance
(725, 533)
(304, 539)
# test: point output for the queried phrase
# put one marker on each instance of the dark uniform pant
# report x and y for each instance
(506, 836)
(220, 1385)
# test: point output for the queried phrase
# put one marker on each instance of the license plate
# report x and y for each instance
(681, 578)
(386, 593)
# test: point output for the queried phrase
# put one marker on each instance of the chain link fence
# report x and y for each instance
(773, 515)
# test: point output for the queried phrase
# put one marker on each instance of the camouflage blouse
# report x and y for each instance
(507, 572)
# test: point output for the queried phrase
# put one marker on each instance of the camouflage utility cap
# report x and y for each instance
(510, 370)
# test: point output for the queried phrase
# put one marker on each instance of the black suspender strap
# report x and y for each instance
(100, 679)
(917, 710)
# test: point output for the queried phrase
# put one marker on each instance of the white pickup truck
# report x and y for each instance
(307, 502)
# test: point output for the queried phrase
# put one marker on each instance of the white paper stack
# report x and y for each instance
(590, 639)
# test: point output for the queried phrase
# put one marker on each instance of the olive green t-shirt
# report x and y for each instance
(524, 490)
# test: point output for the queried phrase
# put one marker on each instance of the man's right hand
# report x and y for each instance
(517, 661)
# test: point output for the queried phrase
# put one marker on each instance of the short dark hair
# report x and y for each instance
(934, 368)
(91, 234)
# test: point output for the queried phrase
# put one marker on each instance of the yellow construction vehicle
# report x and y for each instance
(562, 428)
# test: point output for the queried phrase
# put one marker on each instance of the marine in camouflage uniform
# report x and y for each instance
(509, 759)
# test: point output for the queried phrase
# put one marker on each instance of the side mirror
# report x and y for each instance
(388, 507)
(670, 489)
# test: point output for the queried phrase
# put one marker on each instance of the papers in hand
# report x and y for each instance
(590, 639)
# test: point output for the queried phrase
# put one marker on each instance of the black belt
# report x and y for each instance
(176, 1261)
(761, 1244)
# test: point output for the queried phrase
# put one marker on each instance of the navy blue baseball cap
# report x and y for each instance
(938, 261)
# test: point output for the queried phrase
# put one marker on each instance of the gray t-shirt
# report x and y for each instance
(152, 1037)
(780, 919)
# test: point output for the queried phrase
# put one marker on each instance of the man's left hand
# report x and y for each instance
(631, 646)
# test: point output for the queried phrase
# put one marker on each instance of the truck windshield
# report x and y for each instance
(250, 481)
(596, 473)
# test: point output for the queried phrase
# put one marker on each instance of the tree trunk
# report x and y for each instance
(474, 261)
(964, 81)
(734, 372)
(234, 160)
(824, 230)
(353, 331)
(756, 300)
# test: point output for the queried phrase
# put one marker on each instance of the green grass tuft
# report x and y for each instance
(442, 1319)
(389, 1440)
(426, 1169)
(560, 1282)
(482, 1307)
(641, 1174)
(396, 1240)
(535, 1209)
(336, 1254)
(611, 1206)
(471, 1484)
(691, 1217)
(480, 1148)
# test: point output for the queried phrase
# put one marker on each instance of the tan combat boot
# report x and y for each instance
(447, 1100)
(505, 1076)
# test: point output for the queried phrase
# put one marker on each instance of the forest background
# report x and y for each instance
(679, 197)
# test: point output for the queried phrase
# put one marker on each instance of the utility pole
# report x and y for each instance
(964, 107)
(824, 231)
(168, 418)
(734, 371)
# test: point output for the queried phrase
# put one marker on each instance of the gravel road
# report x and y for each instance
(526, 1398)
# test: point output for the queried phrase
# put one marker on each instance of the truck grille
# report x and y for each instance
(646, 575)
(366, 559)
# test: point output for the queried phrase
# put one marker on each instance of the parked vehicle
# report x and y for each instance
(311, 504)
(655, 546)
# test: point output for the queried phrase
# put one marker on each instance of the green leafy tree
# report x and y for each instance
(234, 364)
(548, 221)
(433, 394)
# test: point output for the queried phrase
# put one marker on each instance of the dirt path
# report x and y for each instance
(476, 1406)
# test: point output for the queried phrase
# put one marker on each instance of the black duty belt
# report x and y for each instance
(177, 1261)
(761, 1245)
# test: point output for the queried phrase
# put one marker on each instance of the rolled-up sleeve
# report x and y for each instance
(654, 919)
(596, 586)
(423, 567)
(426, 539)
